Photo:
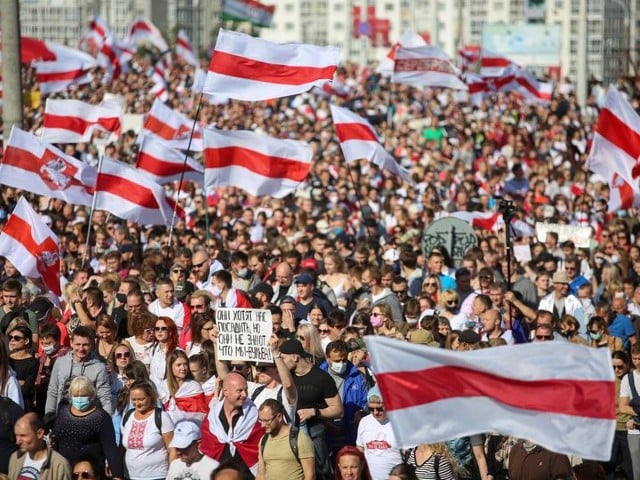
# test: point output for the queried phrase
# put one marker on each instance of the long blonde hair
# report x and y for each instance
(444, 452)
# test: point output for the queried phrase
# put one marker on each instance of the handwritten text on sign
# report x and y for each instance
(244, 334)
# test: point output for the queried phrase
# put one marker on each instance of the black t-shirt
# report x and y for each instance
(314, 388)
(9, 415)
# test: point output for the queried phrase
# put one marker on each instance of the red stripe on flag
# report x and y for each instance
(77, 124)
(126, 189)
(59, 76)
(256, 162)
(579, 397)
(160, 167)
(355, 131)
(495, 62)
(225, 63)
(619, 133)
(161, 129)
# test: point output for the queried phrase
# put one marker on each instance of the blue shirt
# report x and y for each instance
(622, 327)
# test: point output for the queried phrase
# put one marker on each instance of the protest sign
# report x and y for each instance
(244, 334)
(579, 235)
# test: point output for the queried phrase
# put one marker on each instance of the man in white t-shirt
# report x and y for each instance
(166, 304)
(376, 438)
(191, 462)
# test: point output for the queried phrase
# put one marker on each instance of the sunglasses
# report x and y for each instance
(238, 367)
(452, 303)
(544, 337)
(323, 330)
(84, 475)
(148, 330)
(618, 367)
(16, 338)
(376, 409)
(123, 355)
(300, 337)
(431, 284)
(198, 265)
(161, 329)
(177, 270)
(198, 306)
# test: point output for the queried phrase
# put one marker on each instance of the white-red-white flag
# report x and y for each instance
(426, 66)
(468, 55)
(482, 220)
(31, 246)
(494, 64)
(165, 164)
(95, 34)
(479, 88)
(256, 163)
(184, 49)
(556, 394)
(38, 167)
(141, 30)
(249, 68)
(114, 56)
(74, 121)
(59, 76)
(168, 124)
(358, 139)
(408, 39)
(615, 151)
(133, 195)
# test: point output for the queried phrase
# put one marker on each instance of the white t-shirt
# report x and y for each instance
(31, 468)
(267, 393)
(175, 312)
(178, 470)
(625, 391)
(157, 366)
(146, 456)
(379, 444)
(142, 352)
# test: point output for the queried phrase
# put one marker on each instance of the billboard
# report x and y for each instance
(525, 44)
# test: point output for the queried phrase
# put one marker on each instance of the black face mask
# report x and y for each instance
(121, 297)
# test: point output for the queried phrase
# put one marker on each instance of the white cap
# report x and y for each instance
(185, 434)
(391, 255)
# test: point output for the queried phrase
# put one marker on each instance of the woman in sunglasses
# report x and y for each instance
(448, 307)
(382, 321)
(166, 341)
(134, 372)
(202, 324)
(308, 336)
(182, 397)
(23, 362)
(431, 286)
(120, 356)
(87, 467)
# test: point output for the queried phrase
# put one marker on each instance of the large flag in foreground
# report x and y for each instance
(133, 195)
(615, 152)
(35, 166)
(358, 139)
(31, 246)
(256, 163)
(426, 66)
(74, 121)
(165, 164)
(248, 68)
(556, 394)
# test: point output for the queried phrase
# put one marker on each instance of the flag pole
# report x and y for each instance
(184, 166)
(360, 205)
(93, 207)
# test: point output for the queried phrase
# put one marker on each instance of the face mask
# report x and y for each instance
(49, 349)
(242, 273)
(411, 321)
(339, 367)
(561, 208)
(121, 297)
(81, 403)
(216, 291)
(595, 336)
(324, 342)
(614, 258)
(333, 199)
(376, 321)
(102, 268)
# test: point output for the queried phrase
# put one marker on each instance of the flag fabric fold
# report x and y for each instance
(615, 151)
(256, 163)
(358, 139)
(555, 394)
(170, 125)
(141, 30)
(426, 66)
(74, 121)
(248, 68)
(35, 166)
(165, 164)
(184, 49)
(31, 246)
(133, 195)
(248, 11)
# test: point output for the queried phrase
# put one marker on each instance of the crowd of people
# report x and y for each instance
(119, 378)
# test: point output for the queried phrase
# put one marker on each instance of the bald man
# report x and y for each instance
(231, 431)
(284, 284)
(34, 458)
(202, 267)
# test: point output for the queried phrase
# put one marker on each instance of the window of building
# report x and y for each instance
(338, 26)
(289, 26)
(388, 7)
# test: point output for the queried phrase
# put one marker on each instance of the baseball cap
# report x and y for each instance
(292, 347)
(184, 289)
(40, 306)
(423, 337)
(305, 278)
(469, 336)
(560, 277)
(185, 434)
(309, 263)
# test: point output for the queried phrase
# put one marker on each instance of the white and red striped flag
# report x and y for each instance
(133, 195)
(114, 57)
(74, 121)
(59, 76)
(408, 39)
(479, 89)
(555, 394)
(31, 246)
(495, 65)
(184, 49)
(141, 30)
(426, 66)
(248, 68)
(256, 163)
(95, 35)
(166, 123)
(615, 151)
(165, 164)
(358, 139)
(38, 167)
(482, 220)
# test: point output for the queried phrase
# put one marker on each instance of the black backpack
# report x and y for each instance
(157, 416)
(293, 442)
(261, 388)
(6, 406)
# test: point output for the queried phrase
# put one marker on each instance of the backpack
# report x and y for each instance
(261, 388)
(293, 442)
(157, 416)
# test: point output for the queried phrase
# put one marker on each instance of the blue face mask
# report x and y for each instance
(81, 403)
